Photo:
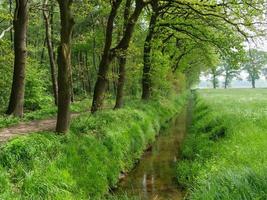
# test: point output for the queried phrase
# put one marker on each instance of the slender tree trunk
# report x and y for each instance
(11, 33)
(43, 51)
(122, 61)
(64, 66)
(16, 101)
(214, 81)
(226, 80)
(253, 83)
(101, 82)
(89, 88)
(50, 51)
(146, 79)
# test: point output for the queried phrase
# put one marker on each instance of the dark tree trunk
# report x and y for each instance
(146, 79)
(253, 82)
(122, 61)
(20, 23)
(114, 77)
(64, 67)
(121, 80)
(111, 53)
(101, 82)
(214, 82)
(50, 51)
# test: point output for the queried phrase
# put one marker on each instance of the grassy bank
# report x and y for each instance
(225, 153)
(85, 163)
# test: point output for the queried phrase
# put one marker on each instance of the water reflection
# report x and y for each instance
(153, 178)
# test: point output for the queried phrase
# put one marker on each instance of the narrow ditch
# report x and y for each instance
(154, 176)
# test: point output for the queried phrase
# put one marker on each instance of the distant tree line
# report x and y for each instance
(254, 64)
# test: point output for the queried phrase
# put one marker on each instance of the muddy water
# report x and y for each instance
(154, 176)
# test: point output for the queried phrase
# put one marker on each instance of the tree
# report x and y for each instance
(215, 72)
(64, 66)
(109, 54)
(20, 24)
(254, 64)
(146, 79)
(229, 72)
(49, 44)
(101, 82)
(122, 60)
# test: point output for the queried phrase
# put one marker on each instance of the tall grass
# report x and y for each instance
(225, 153)
(87, 162)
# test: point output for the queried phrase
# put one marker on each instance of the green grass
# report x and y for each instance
(45, 112)
(225, 153)
(87, 162)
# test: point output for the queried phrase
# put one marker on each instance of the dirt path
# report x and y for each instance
(25, 128)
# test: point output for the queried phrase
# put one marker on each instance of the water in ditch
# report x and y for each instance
(154, 176)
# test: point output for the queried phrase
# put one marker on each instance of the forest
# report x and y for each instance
(98, 99)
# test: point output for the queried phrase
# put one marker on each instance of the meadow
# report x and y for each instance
(225, 153)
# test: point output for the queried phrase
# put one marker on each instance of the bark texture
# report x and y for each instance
(146, 79)
(20, 24)
(64, 66)
(122, 61)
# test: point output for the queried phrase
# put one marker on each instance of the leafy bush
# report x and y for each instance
(35, 88)
(6, 63)
(36, 81)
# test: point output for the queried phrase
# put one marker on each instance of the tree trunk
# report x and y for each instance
(146, 79)
(121, 81)
(111, 53)
(88, 74)
(20, 22)
(226, 81)
(101, 82)
(50, 51)
(64, 66)
(122, 61)
(214, 81)
(253, 83)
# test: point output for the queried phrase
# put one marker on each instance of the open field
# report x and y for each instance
(225, 153)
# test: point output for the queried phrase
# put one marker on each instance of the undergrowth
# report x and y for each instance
(46, 111)
(85, 163)
(224, 155)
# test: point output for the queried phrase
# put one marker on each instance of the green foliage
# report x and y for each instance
(6, 73)
(85, 163)
(36, 95)
(224, 155)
